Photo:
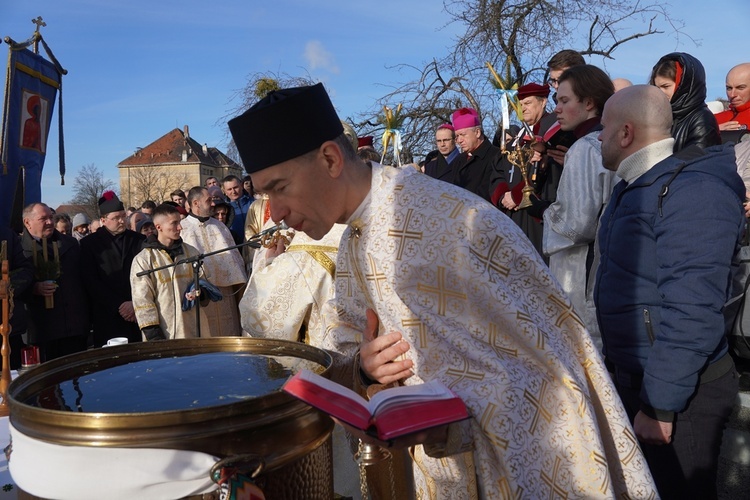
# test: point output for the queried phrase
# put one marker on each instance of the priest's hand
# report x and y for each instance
(652, 431)
(276, 250)
(127, 311)
(381, 358)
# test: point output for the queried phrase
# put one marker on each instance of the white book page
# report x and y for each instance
(430, 391)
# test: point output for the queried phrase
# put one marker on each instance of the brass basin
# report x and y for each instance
(276, 426)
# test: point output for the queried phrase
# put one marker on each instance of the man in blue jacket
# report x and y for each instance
(667, 240)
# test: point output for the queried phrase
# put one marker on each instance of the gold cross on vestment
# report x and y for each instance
(464, 373)
(602, 461)
(493, 341)
(567, 312)
(441, 291)
(555, 490)
(488, 260)
(404, 234)
(349, 277)
(484, 423)
(422, 330)
(505, 492)
(457, 208)
(375, 276)
(538, 403)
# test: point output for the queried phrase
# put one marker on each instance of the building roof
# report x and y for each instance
(73, 209)
(169, 148)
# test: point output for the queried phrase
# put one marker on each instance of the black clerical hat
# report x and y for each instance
(284, 125)
(109, 202)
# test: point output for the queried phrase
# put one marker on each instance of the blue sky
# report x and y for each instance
(138, 69)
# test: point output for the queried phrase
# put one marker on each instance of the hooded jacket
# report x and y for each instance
(665, 273)
(693, 123)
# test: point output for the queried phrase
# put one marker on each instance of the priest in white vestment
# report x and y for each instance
(462, 297)
(283, 300)
(225, 270)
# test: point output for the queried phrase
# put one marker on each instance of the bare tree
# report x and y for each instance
(257, 87)
(88, 187)
(517, 37)
(153, 183)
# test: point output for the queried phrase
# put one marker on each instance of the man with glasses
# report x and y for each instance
(439, 167)
(107, 256)
(59, 325)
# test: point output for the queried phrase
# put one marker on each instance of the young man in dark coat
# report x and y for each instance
(107, 256)
(62, 328)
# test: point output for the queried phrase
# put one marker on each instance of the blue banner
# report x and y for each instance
(31, 86)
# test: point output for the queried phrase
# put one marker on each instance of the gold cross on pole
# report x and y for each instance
(39, 22)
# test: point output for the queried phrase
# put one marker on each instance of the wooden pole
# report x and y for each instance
(5, 328)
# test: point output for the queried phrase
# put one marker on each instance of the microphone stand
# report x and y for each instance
(196, 262)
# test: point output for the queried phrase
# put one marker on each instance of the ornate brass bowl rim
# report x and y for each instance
(46, 423)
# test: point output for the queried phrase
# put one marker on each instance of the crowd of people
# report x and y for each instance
(566, 278)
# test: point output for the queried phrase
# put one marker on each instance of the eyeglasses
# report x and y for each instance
(116, 218)
(553, 81)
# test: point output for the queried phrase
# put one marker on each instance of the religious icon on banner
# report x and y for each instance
(34, 119)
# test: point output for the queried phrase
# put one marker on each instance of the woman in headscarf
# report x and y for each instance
(682, 78)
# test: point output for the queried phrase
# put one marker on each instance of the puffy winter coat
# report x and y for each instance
(665, 272)
(693, 123)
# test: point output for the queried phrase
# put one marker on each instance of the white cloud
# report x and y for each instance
(319, 58)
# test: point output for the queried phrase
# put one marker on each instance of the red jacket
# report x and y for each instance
(740, 113)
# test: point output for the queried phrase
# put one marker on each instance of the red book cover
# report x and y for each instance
(390, 414)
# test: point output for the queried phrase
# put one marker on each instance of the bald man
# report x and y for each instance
(621, 83)
(661, 285)
(737, 117)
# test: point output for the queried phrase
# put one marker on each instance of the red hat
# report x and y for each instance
(364, 142)
(447, 126)
(465, 118)
(532, 89)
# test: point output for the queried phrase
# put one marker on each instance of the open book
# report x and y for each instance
(390, 414)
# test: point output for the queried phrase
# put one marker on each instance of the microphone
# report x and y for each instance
(266, 237)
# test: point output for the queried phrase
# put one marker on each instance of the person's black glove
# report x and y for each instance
(153, 333)
(537, 207)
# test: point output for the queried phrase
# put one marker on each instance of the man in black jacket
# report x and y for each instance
(107, 256)
(439, 167)
(59, 327)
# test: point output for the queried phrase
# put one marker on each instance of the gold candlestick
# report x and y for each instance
(520, 158)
